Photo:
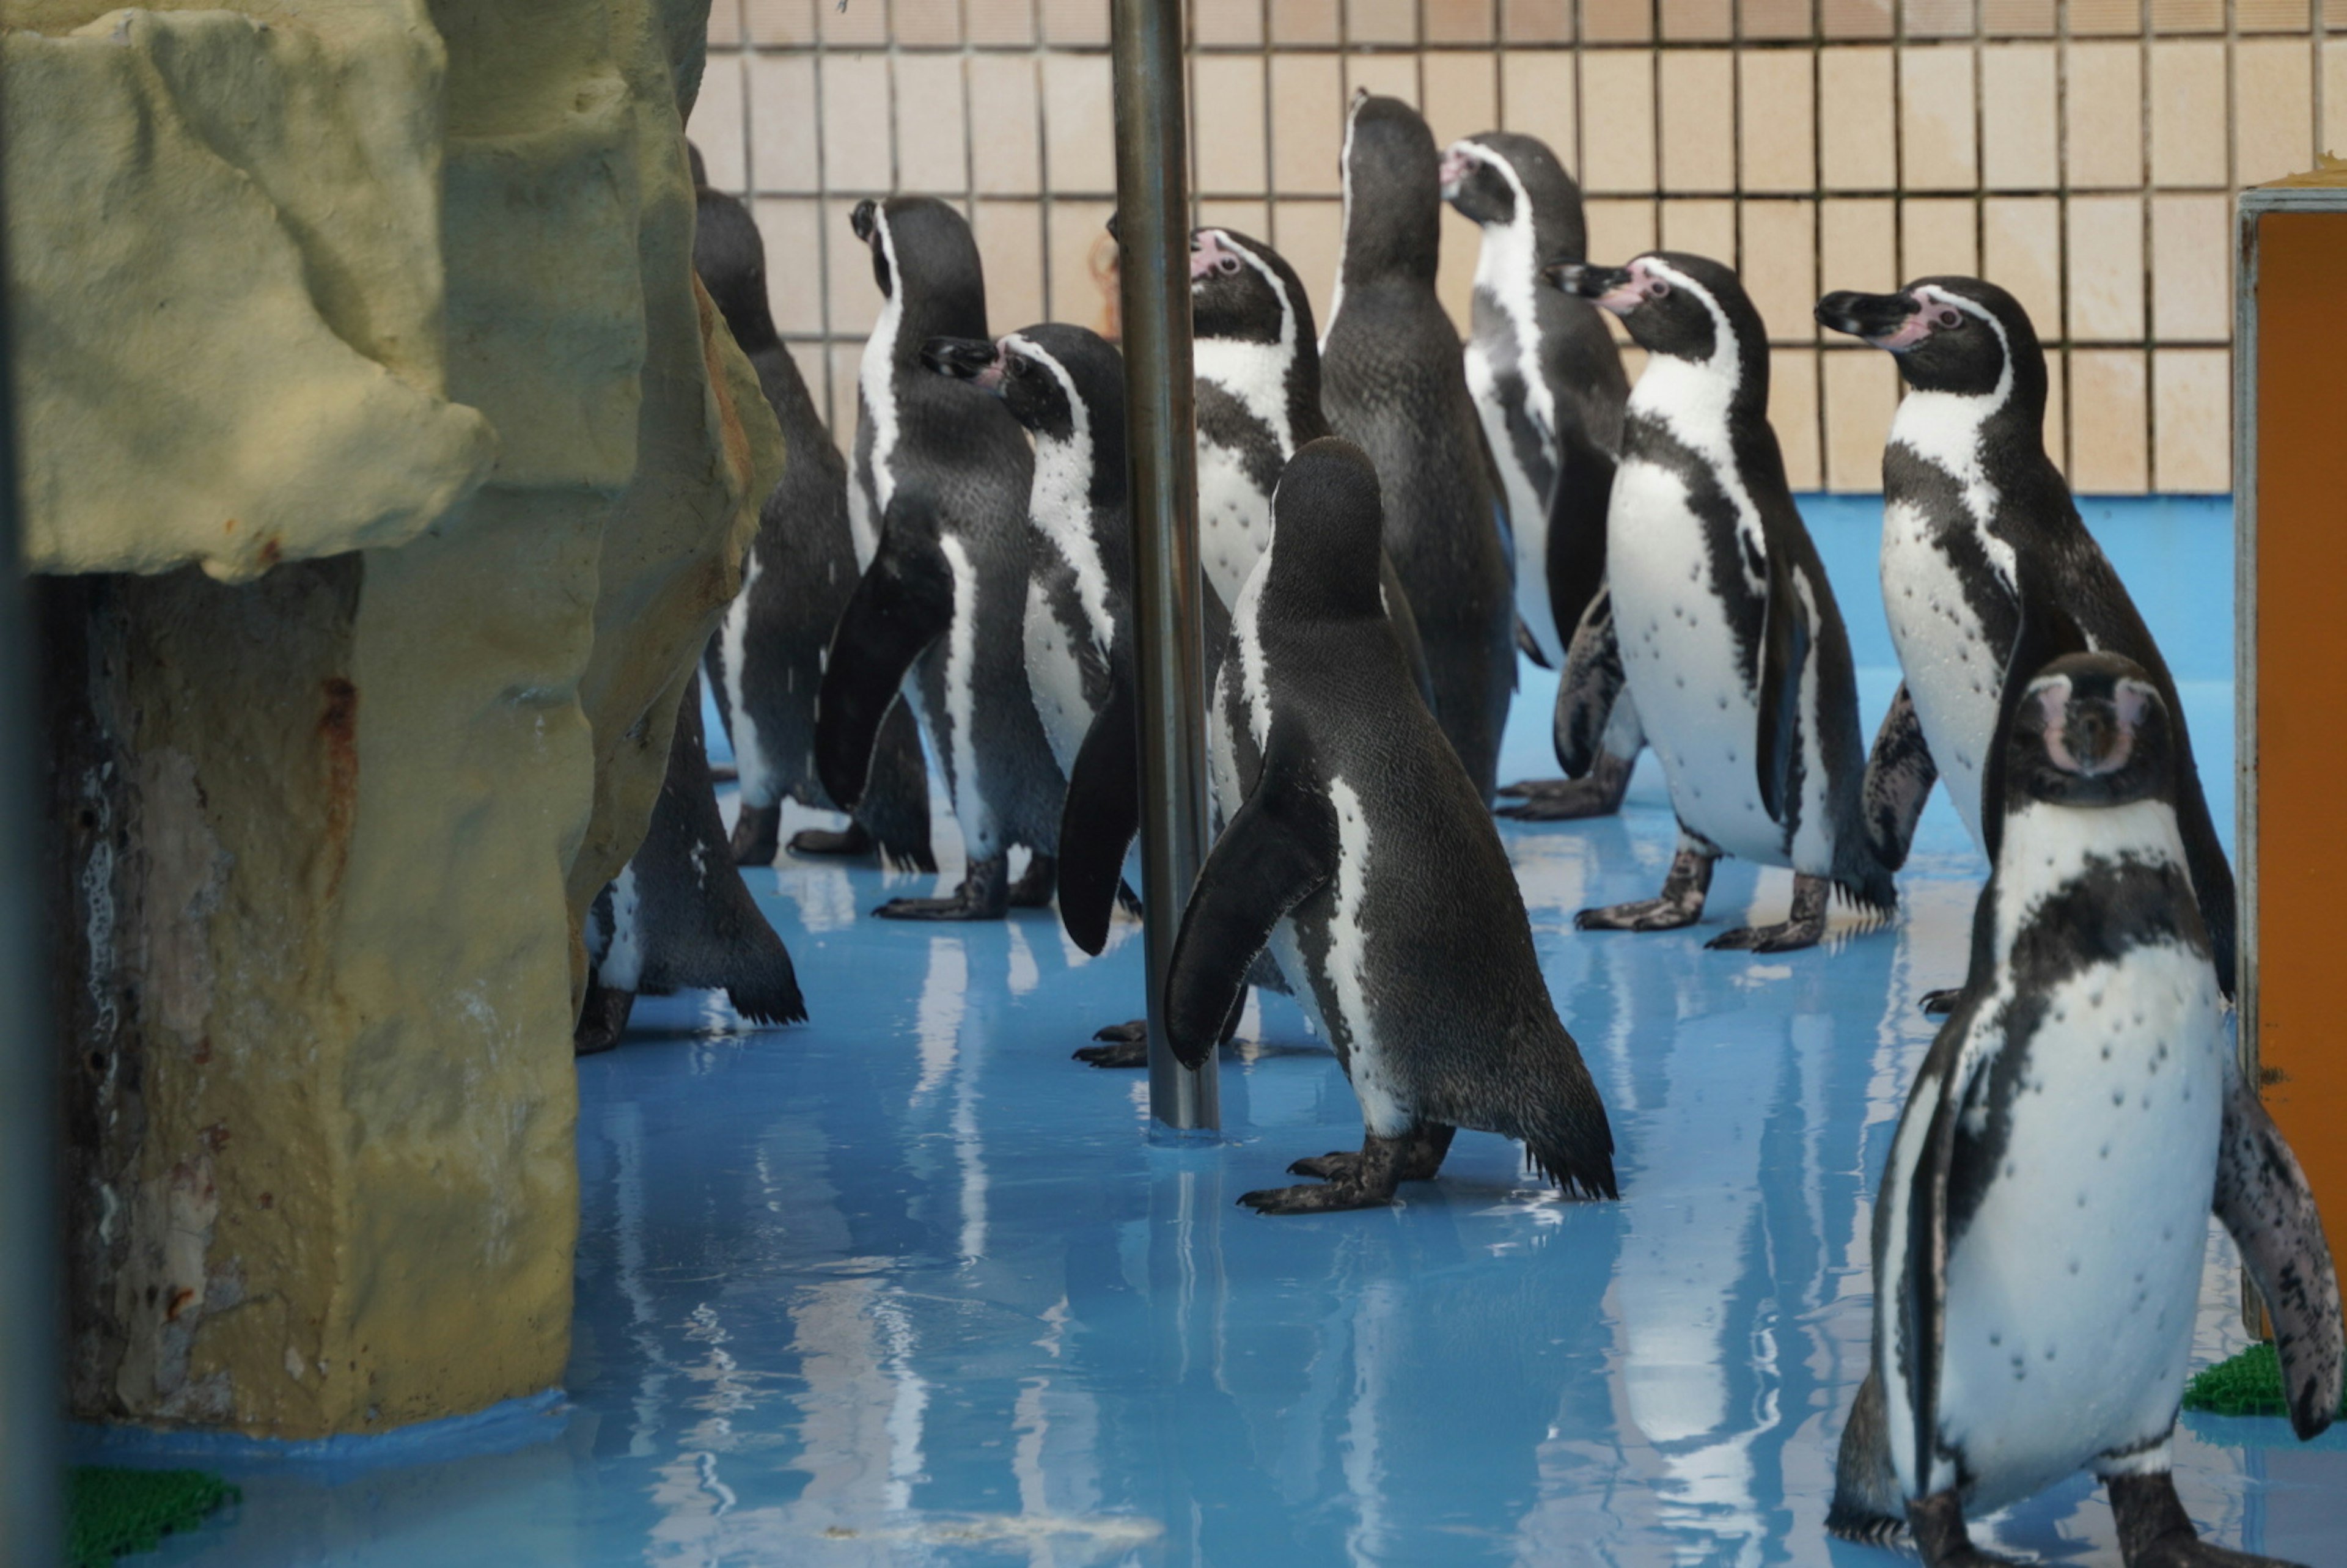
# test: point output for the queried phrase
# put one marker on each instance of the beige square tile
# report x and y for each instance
(725, 30)
(2107, 426)
(1698, 20)
(809, 357)
(2106, 246)
(1010, 245)
(1617, 21)
(1858, 139)
(1619, 230)
(2021, 252)
(1939, 236)
(1793, 414)
(1862, 392)
(1249, 218)
(2335, 96)
(792, 229)
(2273, 109)
(1698, 89)
(1226, 22)
(1778, 108)
(1000, 21)
(1083, 264)
(1939, 18)
(1858, 245)
(1387, 76)
(1462, 93)
(1935, 118)
(720, 125)
(1307, 22)
(1780, 267)
(932, 155)
(1855, 18)
(855, 151)
(1455, 277)
(1537, 93)
(1775, 18)
(2019, 18)
(853, 25)
(1079, 125)
(1075, 21)
(1227, 110)
(2105, 115)
(2105, 18)
(843, 361)
(780, 21)
(782, 122)
(924, 23)
(2272, 15)
(1633, 362)
(1381, 21)
(1617, 119)
(2191, 268)
(2187, 112)
(1459, 21)
(2188, 15)
(1006, 146)
(855, 298)
(1307, 122)
(1705, 227)
(1310, 234)
(2192, 419)
(1536, 21)
(2020, 100)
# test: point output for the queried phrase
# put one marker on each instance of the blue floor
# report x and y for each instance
(907, 1285)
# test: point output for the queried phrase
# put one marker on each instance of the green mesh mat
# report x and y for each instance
(2249, 1384)
(110, 1510)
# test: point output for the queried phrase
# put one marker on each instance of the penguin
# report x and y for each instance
(1365, 859)
(765, 661)
(1975, 514)
(1549, 386)
(1394, 383)
(678, 915)
(938, 504)
(2040, 1232)
(1728, 636)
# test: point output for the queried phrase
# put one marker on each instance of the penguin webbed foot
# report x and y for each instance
(1597, 792)
(1940, 1003)
(1333, 1198)
(1035, 885)
(1420, 1161)
(1367, 1177)
(983, 895)
(853, 839)
(1679, 905)
(1937, 1524)
(1805, 927)
(1127, 1045)
(2156, 1533)
(757, 835)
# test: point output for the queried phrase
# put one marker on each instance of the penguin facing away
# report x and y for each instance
(1975, 514)
(1365, 859)
(944, 474)
(2018, 1335)
(765, 661)
(678, 915)
(1393, 381)
(1728, 635)
(1549, 386)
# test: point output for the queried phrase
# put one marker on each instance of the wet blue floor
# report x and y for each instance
(906, 1285)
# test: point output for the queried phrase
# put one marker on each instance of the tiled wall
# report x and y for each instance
(2081, 154)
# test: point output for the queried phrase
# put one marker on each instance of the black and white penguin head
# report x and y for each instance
(1243, 290)
(924, 259)
(2090, 730)
(1393, 192)
(1950, 335)
(730, 261)
(1501, 180)
(1328, 521)
(1059, 381)
(1677, 305)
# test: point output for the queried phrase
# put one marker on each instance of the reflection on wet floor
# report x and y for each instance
(906, 1285)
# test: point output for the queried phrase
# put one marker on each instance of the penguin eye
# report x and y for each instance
(1226, 266)
(1947, 318)
(1019, 367)
(1656, 288)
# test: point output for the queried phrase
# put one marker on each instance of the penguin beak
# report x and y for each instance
(973, 360)
(1455, 165)
(1609, 288)
(1893, 321)
(864, 220)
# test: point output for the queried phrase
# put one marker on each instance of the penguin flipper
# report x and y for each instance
(1395, 600)
(1280, 849)
(1785, 638)
(1899, 773)
(1591, 685)
(1913, 1221)
(1101, 814)
(903, 603)
(2263, 1198)
(1576, 526)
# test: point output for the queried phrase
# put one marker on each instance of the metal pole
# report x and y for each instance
(1154, 268)
(32, 1344)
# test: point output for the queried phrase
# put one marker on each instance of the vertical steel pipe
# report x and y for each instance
(1154, 268)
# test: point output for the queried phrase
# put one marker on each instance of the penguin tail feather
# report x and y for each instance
(1863, 1525)
(769, 993)
(1573, 1172)
(1871, 891)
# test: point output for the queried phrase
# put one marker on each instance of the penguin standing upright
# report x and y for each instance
(942, 478)
(765, 661)
(1975, 514)
(1728, 635)
(1548, 383)
(678, 915)
(1365, 859)
(2042, 1227)
(1394, 383)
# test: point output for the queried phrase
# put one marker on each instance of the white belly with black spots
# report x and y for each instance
(2072, 1290)
(1056, 678)
(1953, 670)
(1234, 519)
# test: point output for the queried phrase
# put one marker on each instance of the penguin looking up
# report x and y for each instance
(1393, 382)
(1548, 383)
(1366, 860)
(944, 473)
(766, 660)
(2019, 1336)
(1728, 635)
(1975, 514)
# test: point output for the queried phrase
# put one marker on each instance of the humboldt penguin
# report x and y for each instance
(1365, 859)
(1728, 635)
